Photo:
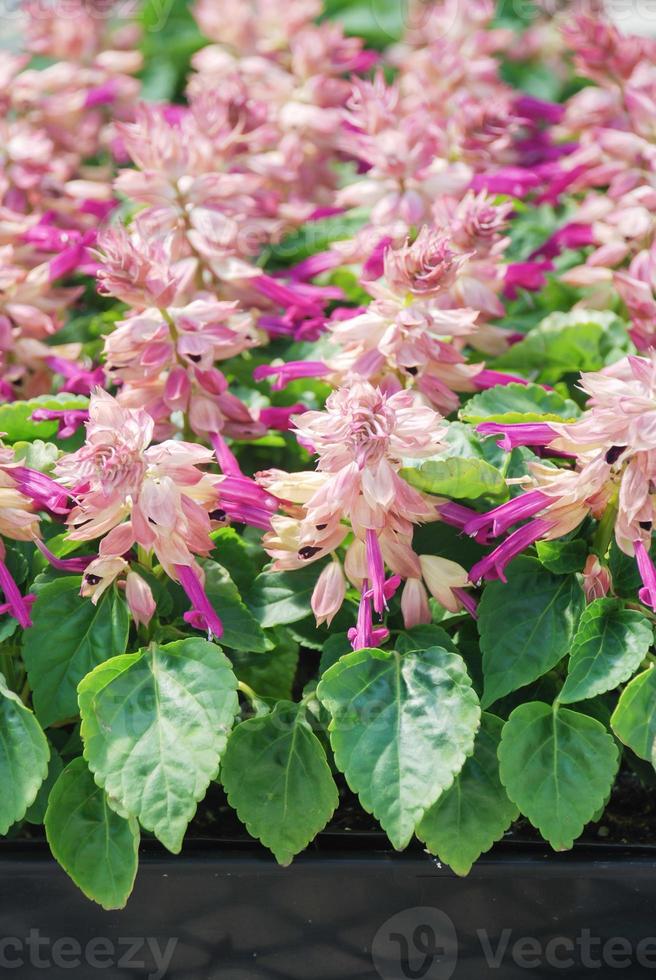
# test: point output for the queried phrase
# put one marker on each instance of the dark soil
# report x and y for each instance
(629, 818)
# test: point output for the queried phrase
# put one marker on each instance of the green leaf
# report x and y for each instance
(562, 557)
(271, 674)
(232, 553)
(278, 598)
(38, 455)
(240, 629)
(276, 777)
(16, 417)
(634, 718)
(610, 644)
(336, 646)
(401, 729)
(518, 403)
(422, 636)
(154, 726)
(96, 847)
(558, 766)
(580, 340)
(526, 626)
(624, 570)
(24, 755)
(475, 812)
(460, 478)
(36, 813)
(69, 637)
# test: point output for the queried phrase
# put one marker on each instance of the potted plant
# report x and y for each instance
(328, 506)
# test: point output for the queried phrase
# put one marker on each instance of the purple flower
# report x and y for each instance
(518, 433)
(498, 520)
(493, 565)
(290, 371)
(647, 593)
(202, 615)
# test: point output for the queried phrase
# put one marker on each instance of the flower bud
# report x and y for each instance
(329, 593)
(140, 599)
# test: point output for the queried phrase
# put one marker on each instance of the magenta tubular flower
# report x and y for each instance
(244, 501)
(538, 110)
(498, 520)
(202, 615)
(376, 569)
(77, 565)
(364, 635)
(280, 418)
(526, 275)
(16, 604)
(45, 492)
(291, 371)
(647, 593)
(518, 433)
(69, 419)
(493, 565)
(573, 235)
(490, 379)
(77, 379)
(456, 515)
(514, 181)
(468, 601)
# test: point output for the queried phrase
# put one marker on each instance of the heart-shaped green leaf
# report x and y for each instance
(24, 755)
(276, 776)
(518, 403)
(241, 631)
(278, 598)
(401, 729)
(526, 626)
(460, 478)
(69, 637)
(558, 766)
(475, 812)
(634, 718)
(609, 646)
(92, 843)
(98, 849)
(579, 340)
(154, 726)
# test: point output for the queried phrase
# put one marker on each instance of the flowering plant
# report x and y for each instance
(328, 401)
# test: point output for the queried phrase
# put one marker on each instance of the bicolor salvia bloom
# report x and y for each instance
(132, 494)
(417, 329)
(356, 492)
(612, 477)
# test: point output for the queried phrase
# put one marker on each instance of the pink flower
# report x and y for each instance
(142, 269)
(129, 492)
(597, 581)
(424, 268)
(329, 593)
(443, 577)
(613, 448)
(140, 599)
(414, 604)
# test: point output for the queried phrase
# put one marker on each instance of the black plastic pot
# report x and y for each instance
(347, 910)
